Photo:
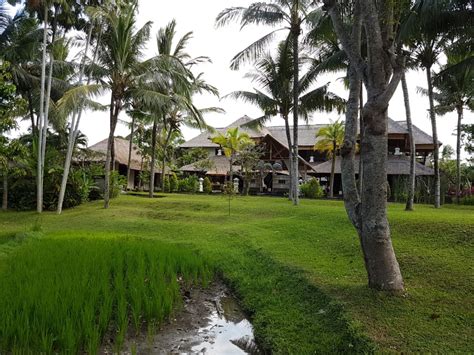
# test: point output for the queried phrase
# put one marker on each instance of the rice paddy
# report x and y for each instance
(66, 296)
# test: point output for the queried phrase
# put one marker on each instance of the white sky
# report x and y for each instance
(221, 45)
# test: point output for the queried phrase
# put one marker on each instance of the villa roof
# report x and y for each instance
(306, 133)
(219, 163)
(396, 165)
(121, 153)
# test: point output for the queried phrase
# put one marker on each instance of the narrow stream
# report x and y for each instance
(211, 322)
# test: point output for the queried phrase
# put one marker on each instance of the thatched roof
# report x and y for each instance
(219, 163)
(204, 139)
(121, 153)
(396, 165)
(306, 133)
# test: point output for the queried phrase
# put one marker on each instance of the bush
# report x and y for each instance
(468, 200)
(167, 184)
(117, 184)
(207, 185)
(189, 184)
(173, 183)
(311, 189)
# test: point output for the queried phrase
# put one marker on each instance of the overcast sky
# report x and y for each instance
(221, 45)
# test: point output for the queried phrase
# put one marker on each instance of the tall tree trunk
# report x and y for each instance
(5, 190)
(295, 31)
(48, 97)
(381, 74)
(114, 111)
(333, 168)
(39, 182)
(153, 158)
(290, 157)
(163, 166)
(412, 177)
(361, 134)
(459, 110)
(73, 131)
(437, 182)
(32, 113)
(130, 145)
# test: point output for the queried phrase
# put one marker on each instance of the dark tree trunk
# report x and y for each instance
(295, 31)
(459, 110)
(290, 157)
(437, 182)
(153, 158)
(412, 177)
(130, 145)
(114, 111)
(5, 190)
(361, 134)
(333, 168)
(163, 166)
(32, 113)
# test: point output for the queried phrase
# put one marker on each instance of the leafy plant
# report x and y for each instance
(311, 189)
(207, 185)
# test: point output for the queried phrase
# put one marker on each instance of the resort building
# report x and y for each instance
(275, 178)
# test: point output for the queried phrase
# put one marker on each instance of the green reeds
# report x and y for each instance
(67, 295)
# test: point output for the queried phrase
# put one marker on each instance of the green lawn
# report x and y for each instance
(298, 270)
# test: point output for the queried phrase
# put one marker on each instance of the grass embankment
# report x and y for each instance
(299, 270)
(66, 295)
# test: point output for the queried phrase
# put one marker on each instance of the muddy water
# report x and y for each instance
(211, 322)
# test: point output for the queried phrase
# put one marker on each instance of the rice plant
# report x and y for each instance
(67, 295)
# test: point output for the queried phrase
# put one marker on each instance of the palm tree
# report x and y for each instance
(293, 15)
(274, 75)
(118, 67)
(330, 140)
(232, 142)
(454, 93)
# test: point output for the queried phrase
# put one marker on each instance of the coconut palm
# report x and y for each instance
(330, 139)
(231, 143)
(455, 93)
(274, 76)
(292, 15)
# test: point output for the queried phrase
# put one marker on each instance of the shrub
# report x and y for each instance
(207, 185)
(311, 189)
(189, 184)
(117, 184)
(468, 200)
(173, 183)
(167, 184)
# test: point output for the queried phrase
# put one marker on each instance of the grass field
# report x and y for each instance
(297, 270)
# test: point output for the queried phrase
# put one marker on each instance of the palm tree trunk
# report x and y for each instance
(412, 177)
(458, 154)
(5, 190)
(73, 131)
(32, 114)
(130, 145)
(290, 157)
(333, 168)
(153, 158)
(163, 167)
(39, 182)
(296, 30)
(48, 98)
(437, 182)
(361, 133)
(114, 111)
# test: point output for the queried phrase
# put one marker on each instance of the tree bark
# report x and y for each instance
(73, 131)
(295, 31)
(333, 168)
(437, 182)
(163, 167)
(153, 158)
(114, 111)
(361, 134)
(39, 182)
(381, 74)
(5, 190)
(412, 177)
(130, 145)
(290, 157)
(459, 110)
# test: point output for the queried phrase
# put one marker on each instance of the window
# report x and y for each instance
(282, 182)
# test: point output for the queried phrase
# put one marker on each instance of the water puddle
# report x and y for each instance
(211, 322)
